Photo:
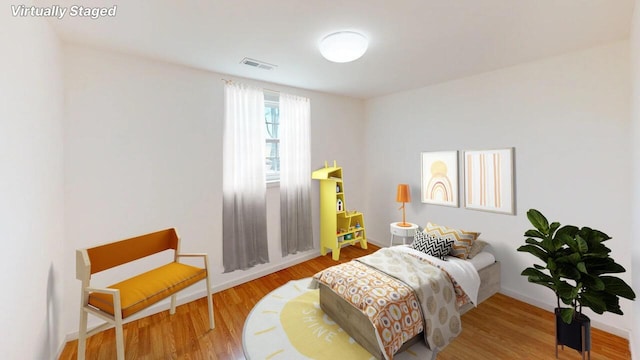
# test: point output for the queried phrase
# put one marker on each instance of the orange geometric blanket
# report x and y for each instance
(390, 304)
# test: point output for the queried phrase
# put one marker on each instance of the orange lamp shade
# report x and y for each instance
(403, 194)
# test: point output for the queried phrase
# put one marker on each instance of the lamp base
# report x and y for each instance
(403, 224)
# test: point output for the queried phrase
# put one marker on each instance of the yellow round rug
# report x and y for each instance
(289, 324)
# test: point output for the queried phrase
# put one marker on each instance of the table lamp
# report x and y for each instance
(403, 195)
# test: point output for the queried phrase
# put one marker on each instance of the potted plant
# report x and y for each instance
(574, 266)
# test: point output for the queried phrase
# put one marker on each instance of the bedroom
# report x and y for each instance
(86, 156)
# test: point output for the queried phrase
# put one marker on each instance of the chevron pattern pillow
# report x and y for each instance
(432, 245)
(462, 240)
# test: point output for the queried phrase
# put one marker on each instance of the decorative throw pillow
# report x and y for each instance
(462, 240)
(432, 245)
(476, 248)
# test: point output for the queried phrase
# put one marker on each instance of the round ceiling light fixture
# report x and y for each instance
(343, 46)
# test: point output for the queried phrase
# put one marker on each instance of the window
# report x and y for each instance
(272, 122)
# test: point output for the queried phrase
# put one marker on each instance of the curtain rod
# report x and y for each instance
(265, 89)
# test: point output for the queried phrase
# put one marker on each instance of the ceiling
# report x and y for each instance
(413, 43)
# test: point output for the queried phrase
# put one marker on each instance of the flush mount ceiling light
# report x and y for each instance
(343, 46)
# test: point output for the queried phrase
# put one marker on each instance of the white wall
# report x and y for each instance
(143, 142)
(635, 121)
(568, 119)
(31, 195)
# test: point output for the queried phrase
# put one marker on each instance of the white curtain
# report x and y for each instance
(243, 180)
(295, 174)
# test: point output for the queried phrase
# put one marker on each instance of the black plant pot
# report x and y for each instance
(576, 335)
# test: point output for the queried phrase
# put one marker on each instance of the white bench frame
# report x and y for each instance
(83, 273)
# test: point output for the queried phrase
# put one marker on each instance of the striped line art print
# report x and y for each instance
(489, 180)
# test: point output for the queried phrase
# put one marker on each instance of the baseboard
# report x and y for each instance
(623, 333)
(265, 271)
(634, 344)
(376, 242)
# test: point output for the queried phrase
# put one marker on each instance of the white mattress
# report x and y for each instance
(482, 260)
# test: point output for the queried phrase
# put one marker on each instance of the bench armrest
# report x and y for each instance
(102, 290)
(204, 256)
(191, 255)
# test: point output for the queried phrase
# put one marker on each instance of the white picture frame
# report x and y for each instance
(439, 182)
(489, 180)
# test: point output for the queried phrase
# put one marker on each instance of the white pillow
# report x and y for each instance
(476, 248)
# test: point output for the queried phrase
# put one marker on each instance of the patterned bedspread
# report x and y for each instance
(391, 305)
(377, 285)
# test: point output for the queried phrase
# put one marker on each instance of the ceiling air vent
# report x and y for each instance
(258, 64)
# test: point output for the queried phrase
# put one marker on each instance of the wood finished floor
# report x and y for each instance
(500, 328)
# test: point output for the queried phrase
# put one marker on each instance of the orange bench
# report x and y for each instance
(119, 301)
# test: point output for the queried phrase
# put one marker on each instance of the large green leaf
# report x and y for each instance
(595, 255)
(534, 250)
(538, 221)
(582, 267)
(573, 258)
(565, 237)
(533, 241)
(583, 247)
(618, 287)
(548, 245)
(615, 310)
(612, 301)
(551, 265)
(594, 282)
(593, 301)
(569, 230)
(599, 266)
(601, 236)
(536, 275)
(568, 271)
(570, 241)
(553, 227)
(566, 291)
(598, 248)
(567, 315)
(593, 236)
(534, 233)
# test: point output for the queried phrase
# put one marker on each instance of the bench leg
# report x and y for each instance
(117, 310)
(119, 340)
(82, 334)
(172, 309)
(212, 323)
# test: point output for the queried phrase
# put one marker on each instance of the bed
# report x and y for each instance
(359, 325)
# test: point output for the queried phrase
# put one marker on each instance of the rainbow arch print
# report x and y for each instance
(440, 178)
(440, 189)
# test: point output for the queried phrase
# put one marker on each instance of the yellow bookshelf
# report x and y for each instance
(338, 226)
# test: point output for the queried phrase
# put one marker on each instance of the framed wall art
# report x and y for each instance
(489, 181)
(439, 178)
